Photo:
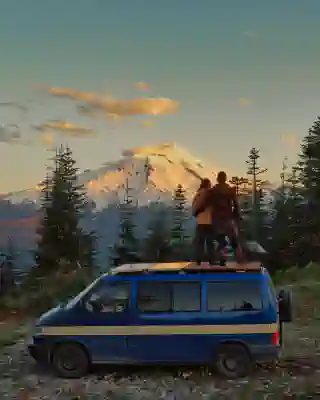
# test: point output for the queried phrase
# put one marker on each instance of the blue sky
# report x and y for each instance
(206, 54)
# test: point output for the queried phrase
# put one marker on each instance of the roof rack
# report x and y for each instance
(184, 267)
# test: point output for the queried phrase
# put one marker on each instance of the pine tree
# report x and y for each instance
(63, 242)
(11, 255)
(126, 249)
(309, 168)
(257, 213)
(157, 245)
(309, 163)
(179, 237)
(284, 244)
(8, 268)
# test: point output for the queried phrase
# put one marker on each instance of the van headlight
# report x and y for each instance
(36, 330)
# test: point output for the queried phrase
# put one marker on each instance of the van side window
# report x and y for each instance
(155, 297)
(234, 296)
(186, 296)
(109, 297)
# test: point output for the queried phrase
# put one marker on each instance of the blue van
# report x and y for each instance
(174, 313)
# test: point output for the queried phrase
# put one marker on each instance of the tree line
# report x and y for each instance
(289, 230)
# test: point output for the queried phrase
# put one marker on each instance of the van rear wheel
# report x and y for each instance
(233, 361)
(70, 360)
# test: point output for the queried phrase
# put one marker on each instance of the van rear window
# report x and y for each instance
(155, 297)
(233, 296)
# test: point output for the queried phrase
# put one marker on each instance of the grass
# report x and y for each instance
(11, 332)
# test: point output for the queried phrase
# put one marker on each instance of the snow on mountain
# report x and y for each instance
(151, 173)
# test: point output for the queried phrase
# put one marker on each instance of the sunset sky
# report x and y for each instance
(245, 72)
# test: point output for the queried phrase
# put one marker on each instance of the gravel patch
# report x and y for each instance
(21, 379)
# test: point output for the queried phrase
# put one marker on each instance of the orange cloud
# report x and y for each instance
(142, 85)
(65, 128)
(47, 139)
(244, 101)
(140, 106)
(290, 140)
(147, 123)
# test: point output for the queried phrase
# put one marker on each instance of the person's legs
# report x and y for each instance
(199, 244)
(235, 244)
(210, 250)
(220, 237)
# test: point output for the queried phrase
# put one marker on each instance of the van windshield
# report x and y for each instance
(79, 296)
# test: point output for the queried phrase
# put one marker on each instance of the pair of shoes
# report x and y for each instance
(222, 254)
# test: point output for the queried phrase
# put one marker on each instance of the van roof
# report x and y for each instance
(187, 266)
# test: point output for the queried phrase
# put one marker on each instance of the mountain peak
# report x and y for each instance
(161, 148)
(151, 172)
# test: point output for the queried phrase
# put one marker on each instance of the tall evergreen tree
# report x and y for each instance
(157, 244)
(309, 162)
(62, 239)
(179, 237)
(257, 213)
(287, 225)
(126, 249)
(309, 168)
(8, 267)
(11, 255)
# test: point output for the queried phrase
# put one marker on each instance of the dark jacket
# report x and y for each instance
(223, 201)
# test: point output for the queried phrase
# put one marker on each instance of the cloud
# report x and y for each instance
(93, 104)
(47, 139)
(65, 127)
(142, 85)
(290, 141)
(86, 111)
(249, 34)
(13, 104)
(10, 133)
(147, 123)
(244, 101)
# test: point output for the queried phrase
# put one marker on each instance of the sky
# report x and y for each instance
(232, 74)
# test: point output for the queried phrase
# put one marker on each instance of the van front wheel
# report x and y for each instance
(233, 361)
(70, 360)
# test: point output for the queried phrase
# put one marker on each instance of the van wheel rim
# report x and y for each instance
(68, 365)
(230, 364)
(68, 362)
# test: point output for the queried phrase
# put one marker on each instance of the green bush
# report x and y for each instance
(38, 294)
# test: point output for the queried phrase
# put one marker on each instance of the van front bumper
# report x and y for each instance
(39, 351)
(265, 353)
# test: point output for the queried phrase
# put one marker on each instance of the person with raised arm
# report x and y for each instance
(222, 200)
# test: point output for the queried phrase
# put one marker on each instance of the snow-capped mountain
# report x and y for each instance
(151, 173)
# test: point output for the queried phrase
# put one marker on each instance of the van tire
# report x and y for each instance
(233, 361)
(70, 360)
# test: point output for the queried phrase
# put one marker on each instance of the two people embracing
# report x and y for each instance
(217, 215)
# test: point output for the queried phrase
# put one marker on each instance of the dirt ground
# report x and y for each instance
(296, 377)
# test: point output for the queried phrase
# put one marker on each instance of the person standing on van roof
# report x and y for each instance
(222, 200)
(203, 240)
